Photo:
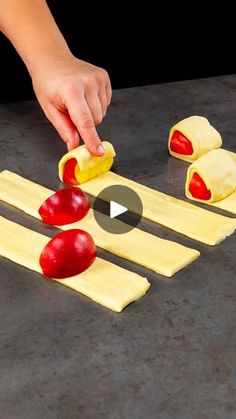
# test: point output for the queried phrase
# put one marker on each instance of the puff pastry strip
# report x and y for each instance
(162, 256)
(103, 282)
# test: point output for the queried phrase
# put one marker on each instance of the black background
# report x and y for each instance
(137, 47)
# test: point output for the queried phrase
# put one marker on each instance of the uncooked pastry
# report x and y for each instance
(88, 166)
(162, 256)
(178, 215)
(190, 220)
(103, 282)
(202, 135)
(218, 171)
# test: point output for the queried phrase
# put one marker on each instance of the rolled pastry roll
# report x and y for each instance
(193, 137)
(212, 177)
(79, 165)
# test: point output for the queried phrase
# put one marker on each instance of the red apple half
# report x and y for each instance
(180, 144)
(69, 172)
(64, 207)
(67, 254)
(198, 188)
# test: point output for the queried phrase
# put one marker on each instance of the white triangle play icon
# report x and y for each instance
(116, 209)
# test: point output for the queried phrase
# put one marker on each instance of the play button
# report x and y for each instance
(117, 209)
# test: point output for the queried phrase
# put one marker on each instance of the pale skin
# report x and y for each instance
(73, 94)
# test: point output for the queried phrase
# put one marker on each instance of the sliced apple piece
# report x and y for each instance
(69, 172)
(64, 207)
(198, 188)
(180, 144)
(67, 254)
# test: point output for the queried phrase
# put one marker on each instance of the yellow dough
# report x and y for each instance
(185, 218)
(218, 171)
(203, 136)
(88, 166)
(103, 282)
(162, 256)
(178, 215)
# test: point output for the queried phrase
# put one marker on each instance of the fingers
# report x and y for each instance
(83, 120)
(98, 96)
(102, 95)
(86, 105)
(108, 91)
(98, 102)
(96, 107)
(64, 126)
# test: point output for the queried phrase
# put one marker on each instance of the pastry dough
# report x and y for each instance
(167, 210)
(185, 218)
(162, 256)
(203, 136)
(88, 166)
(218, 171)
(103, 282)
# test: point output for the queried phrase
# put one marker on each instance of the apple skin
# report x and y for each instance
(69, 172)
(67, 254)
(198, 189)
(180, 144)
(64, 207)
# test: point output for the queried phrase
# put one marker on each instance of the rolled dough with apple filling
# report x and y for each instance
(187, 219)
(197, 223)
(201, 134)
(218, 171)
(103, 282)
(89, 166)
(162, 256)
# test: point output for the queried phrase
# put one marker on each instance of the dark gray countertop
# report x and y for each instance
(172, 354)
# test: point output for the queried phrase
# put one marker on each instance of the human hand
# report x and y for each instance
(74, 96)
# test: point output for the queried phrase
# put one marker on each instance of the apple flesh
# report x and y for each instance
(180, 144)
(198, 189)
(64, 207)
(67, 254)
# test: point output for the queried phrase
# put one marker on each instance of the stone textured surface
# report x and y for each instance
(171, 355)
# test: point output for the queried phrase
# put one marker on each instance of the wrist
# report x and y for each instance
(48, 57)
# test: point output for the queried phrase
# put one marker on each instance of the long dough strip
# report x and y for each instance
(185, 218)
(178, 215)
(162, 256)
(227, 204)
(103, 282)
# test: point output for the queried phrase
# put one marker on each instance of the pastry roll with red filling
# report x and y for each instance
(79, 166)
(193, 137)
(212, 178)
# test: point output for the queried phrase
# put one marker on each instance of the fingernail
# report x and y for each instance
(100, 149)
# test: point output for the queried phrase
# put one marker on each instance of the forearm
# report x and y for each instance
(73, 94)
(32, 30)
